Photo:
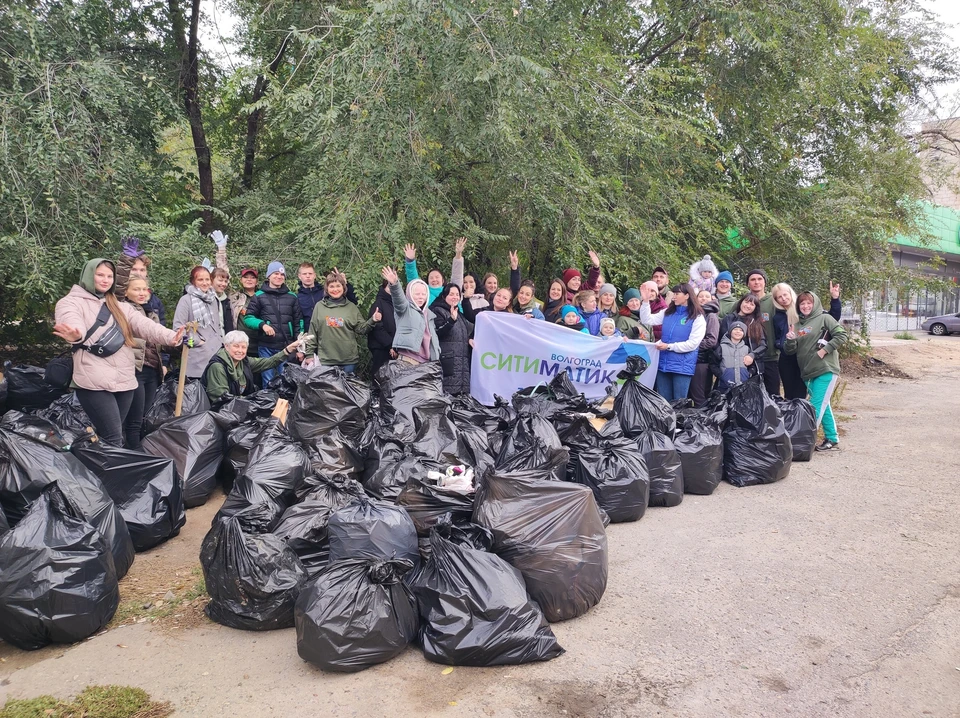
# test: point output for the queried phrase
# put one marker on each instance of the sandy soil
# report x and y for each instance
(831, 593)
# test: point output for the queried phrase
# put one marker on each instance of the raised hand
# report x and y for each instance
(390, 274)
(377, 316)
(834, 290)
(459, 246)
(514, 260)
(67, 333)
(594, 258)
(131, 247)
(179, 337)
(219, 238)
(410, 252)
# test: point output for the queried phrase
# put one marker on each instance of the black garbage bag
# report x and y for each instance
(526, 430)
(334, 454)
(756, 446)
(303, 527)
(259, 404)
(800, 420)
(548, 399)
(427, 503)
(146, 489)
(240, 440)
(287, 384)
(436, 436)
(329, 399)
(26, 388)
(58, 583)
(336, 490)
(27, 467)
(67, 414)
(372, 529)
(195, 443)
(4, 389)
(663, 467)
(465, 410)
(461, 532)
(639, 408)
(253, 579)
(392, 474)
(404, 387)
(553, 533)
(475, 611)
(699, 444)
(39, 429)
(356, 614)
(617, 474)
(545, 463)
(195, 401)
(4, 524)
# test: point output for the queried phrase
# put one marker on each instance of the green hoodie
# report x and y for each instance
(726, 305)
(218, 376)
(335, 326)
(767, 312)
(89, 269)
(808, 330)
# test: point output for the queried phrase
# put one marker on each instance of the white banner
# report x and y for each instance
(512, 352)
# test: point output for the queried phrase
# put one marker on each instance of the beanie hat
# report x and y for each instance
(738, 325)
(725, 276)
(650, 285)
(760, 272)
(631, 294)
(566, 309)
(608, 289)
(706, 264)
(569, 274)
(607, 320)
(276, 267)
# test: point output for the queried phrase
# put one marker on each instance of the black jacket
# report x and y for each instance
(280, 309)
(381, 336)
(454, 339)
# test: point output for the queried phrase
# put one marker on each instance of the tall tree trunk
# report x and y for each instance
(255, 118)
(189, 47)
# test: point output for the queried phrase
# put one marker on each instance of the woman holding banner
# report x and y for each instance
(683, 327)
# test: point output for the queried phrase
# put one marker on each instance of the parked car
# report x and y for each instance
(942, 325)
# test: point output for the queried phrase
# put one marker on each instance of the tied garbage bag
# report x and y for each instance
(333, 454)
(426, 503)
(336, 491)
(146, 489)
(548, 399)
(26, 388)
(27, 467)
(756, 446)
(58, 583)
(195, 401)
(328, 399)
(552, 531)
(617, 474)
(356, 614)
(68, 415)
(462, 533)
(253, 579)
(525, 432)
(639, 408)
(475, 611)
(403, 387)
(389, 478)
(800, 421)
(303, 527)
(699, 444)
(663, 467)
(546, 463)
(195, 443)
(372, 529)
(39, 429)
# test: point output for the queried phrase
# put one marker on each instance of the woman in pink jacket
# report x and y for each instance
(102, 331)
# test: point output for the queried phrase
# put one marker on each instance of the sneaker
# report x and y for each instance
(827, 445)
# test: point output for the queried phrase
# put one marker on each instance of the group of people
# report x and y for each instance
(236, 342)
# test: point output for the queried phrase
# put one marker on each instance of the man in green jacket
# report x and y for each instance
(336, 326)
(230, 371)
(757, 284)
(724, 294)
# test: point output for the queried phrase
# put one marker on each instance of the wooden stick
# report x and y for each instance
(182, 381)
(280, 412)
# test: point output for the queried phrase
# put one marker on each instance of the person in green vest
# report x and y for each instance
(757, 284)
(230, 371)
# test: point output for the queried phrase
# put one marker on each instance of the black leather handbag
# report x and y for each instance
(59, 370)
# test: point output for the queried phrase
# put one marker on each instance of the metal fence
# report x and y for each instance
(895, 308)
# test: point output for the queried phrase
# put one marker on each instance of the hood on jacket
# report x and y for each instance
(702, 266)
(815, 312)
(328, 301)
(710, 307)
(89, 269)
(409, 292)
(267, 289)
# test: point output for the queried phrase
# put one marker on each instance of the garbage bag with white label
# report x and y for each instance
(800, 420)
(640, 408)
(356, 614)
(146, 489)
(475, 610)
(253, 579)
(663, 467)
(195, 401)
(195, 443)
(756, 446)
(366, 528)
(58, 583)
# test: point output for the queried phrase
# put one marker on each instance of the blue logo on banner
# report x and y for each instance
(620, 354)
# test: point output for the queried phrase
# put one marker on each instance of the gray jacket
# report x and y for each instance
(411, 323)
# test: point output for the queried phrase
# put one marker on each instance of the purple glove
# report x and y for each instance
(131, 247)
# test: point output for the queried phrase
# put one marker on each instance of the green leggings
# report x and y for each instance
(821, 389)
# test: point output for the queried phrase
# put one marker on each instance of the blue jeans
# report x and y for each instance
(266, 353)
(673, 386)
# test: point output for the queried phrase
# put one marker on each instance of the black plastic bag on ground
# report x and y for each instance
(465, 410)
(356, 614)
(427, 503)
(304, 528)
(526, 431)
(639, 408)
(548, 399)
(756, 446)
(26, 388)
(67, 414)
(240, 440)
(146, 489)
(260, 404)
(58, 583)
(800, 420)
(286, 385)
(39, 429)
(475, 610)
(543, 462)
(253, 579)
(462, 533)
(389, 478)
(617, 474)
(4, 388)
(553, 533)
(403, 387)
(334, 454)
(27, 467)
(195, 401)
(699, 444)
(663, 467)
(195, 443)
(372, 529)
(336, 491)
(329, 399)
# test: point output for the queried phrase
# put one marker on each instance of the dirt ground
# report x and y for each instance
(832, 593)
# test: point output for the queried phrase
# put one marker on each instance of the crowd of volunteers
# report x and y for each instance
(238, 341)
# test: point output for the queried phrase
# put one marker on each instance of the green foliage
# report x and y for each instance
(92, 702)
(904, 335)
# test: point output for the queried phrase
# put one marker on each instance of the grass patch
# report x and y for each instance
(905, 335)
(93, 702)
(133, 609)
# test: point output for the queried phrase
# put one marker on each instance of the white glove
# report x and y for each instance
(302, 340)
(219, 238)
(206, 264)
